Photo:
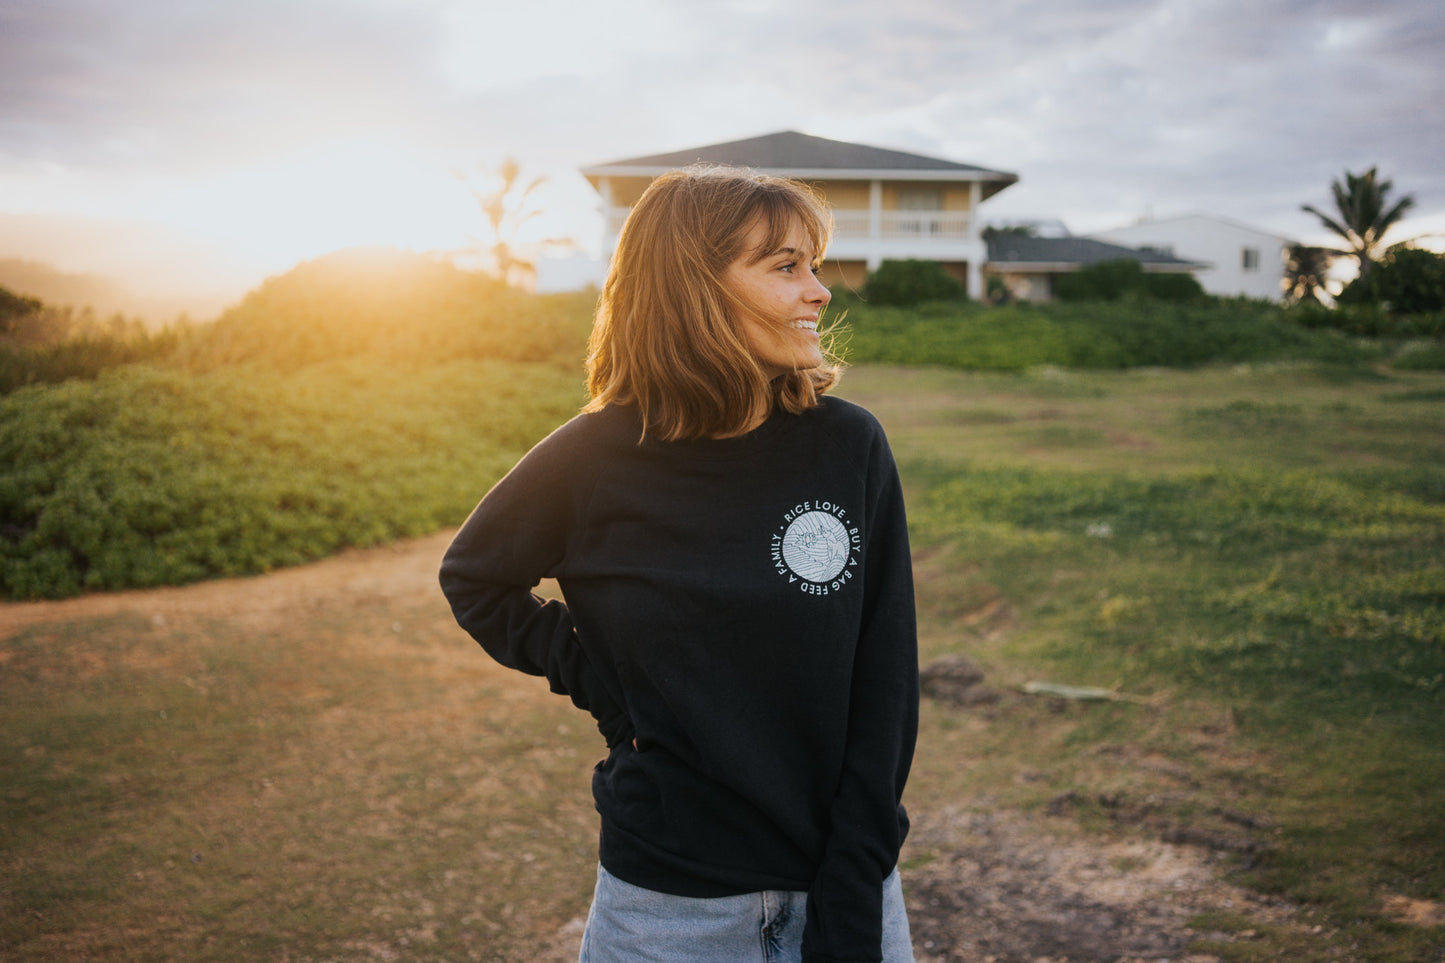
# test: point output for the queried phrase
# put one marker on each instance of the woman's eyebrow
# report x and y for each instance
(778, 252)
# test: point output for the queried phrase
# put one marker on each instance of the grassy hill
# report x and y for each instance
(358, 398)
(388, 304)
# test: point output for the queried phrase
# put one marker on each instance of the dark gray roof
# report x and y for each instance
(1021, 249)
(792, 154)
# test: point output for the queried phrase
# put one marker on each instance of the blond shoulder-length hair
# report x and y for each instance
(667, 337)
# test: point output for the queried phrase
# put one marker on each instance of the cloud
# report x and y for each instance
(90, 82)
(1105, 108)
(1124, 107)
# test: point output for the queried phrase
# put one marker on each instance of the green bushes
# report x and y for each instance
(148, 476)
(42, 344)
(1130, 333)
(906, 283)
(1112, 280)
(1367, 320)
(13, 308)
(83, 357)
(360, 398)
(1402, 298)
(1409, 281)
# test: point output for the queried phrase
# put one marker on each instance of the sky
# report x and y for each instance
(201, 144)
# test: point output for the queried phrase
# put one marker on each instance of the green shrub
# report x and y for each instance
(148, 476)
(13, 307)
(1173, 286)
(43, 344)
(910, 282)
(1309, 314)
(1129, 333)
(1369, 320)
(84, 357)
(359, 398)
(1105, 281)
(1112, 280)
(1407, 281)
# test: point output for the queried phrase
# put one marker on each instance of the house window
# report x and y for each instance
(1249, 259)
(919, 199)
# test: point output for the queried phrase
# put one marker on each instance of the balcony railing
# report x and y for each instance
(904, 225)
(894, 225)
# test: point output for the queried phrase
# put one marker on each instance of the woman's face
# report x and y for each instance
(783, 300)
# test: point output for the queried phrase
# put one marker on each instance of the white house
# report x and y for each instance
(1241, 260)
(887, 204)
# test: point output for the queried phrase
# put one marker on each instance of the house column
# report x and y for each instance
(875, 225)
(974, 284)
(974, 281)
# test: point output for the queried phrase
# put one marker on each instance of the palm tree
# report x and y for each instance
(1363, 215)
(1304, 273)
(508, 205)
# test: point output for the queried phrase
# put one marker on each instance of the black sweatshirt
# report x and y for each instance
(743, 608)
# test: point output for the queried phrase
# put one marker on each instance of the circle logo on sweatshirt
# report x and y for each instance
(816, 546)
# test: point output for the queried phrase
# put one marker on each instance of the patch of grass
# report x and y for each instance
(1260, 565)
(1423, 357)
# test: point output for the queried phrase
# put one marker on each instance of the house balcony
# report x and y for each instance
(942, 226)
(925, 235)
(898, 235)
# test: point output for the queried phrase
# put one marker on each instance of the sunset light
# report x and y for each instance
(213, 149)
(342, 196)
(538, 480)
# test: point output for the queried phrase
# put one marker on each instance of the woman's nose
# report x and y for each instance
(819, 294)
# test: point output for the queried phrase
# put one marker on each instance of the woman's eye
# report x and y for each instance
(788, 267)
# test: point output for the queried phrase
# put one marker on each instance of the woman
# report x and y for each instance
(739, 619)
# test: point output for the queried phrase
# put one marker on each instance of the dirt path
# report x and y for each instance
(406, 570)
(981, 885)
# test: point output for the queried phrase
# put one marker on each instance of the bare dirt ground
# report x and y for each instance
(981, 885)
(1012, 889)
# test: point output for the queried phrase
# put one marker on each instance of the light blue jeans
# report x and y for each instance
(629, 924)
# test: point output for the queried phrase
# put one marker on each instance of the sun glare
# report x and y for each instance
(343, 196)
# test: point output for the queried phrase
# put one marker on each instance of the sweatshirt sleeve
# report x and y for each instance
(845, 903)
(517, 536)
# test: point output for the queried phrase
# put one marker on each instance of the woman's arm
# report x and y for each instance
(845, 903)
(518, 535)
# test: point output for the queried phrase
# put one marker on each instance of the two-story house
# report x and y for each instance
(886, 204)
